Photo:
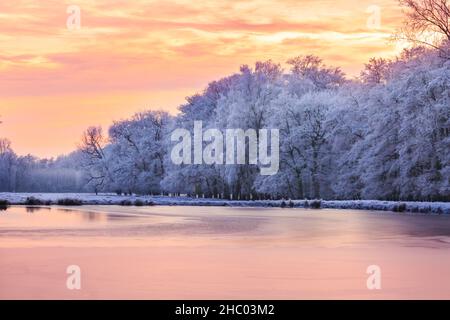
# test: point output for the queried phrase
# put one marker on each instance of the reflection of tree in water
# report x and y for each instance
(34, 209)
(85, 215)
(92, 216)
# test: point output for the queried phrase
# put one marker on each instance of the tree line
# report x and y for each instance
(384, 135)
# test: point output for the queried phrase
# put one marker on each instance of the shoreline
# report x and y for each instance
(78, 199)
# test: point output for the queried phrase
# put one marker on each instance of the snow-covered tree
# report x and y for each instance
(137, 152)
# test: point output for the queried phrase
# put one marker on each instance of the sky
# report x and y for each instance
(58, 77)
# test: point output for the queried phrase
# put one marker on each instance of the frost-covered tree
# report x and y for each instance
(376, 71)
(247, 105)
(195, 179)
(312, 68)
(8, 166)
(427, 22)
(137, 152)
(401, 154)
(97, 160)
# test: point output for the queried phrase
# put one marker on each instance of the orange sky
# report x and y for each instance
(135, 55)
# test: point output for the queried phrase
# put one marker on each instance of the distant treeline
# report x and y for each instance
(30, 174)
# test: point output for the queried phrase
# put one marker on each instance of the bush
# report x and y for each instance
(401, 207)
(32, 201)
(140, 203)
(291, 204)
(315, 204)
(4, 204)
(69, 202)
(283, 204)
(125, 203)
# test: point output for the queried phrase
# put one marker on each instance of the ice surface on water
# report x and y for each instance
(42, 225)
(174, 252)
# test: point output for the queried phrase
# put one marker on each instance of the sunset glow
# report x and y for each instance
(135, 55)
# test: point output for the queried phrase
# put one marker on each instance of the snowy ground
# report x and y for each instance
(113, 199)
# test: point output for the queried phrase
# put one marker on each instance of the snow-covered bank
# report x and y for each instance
(113, 199)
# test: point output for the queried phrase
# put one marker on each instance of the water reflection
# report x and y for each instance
(94, 216)
(89, 216)
(35, 209)
(268, 226)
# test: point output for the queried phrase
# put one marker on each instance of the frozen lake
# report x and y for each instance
(165, 252)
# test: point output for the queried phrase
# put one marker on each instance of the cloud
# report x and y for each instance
(174, 47)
